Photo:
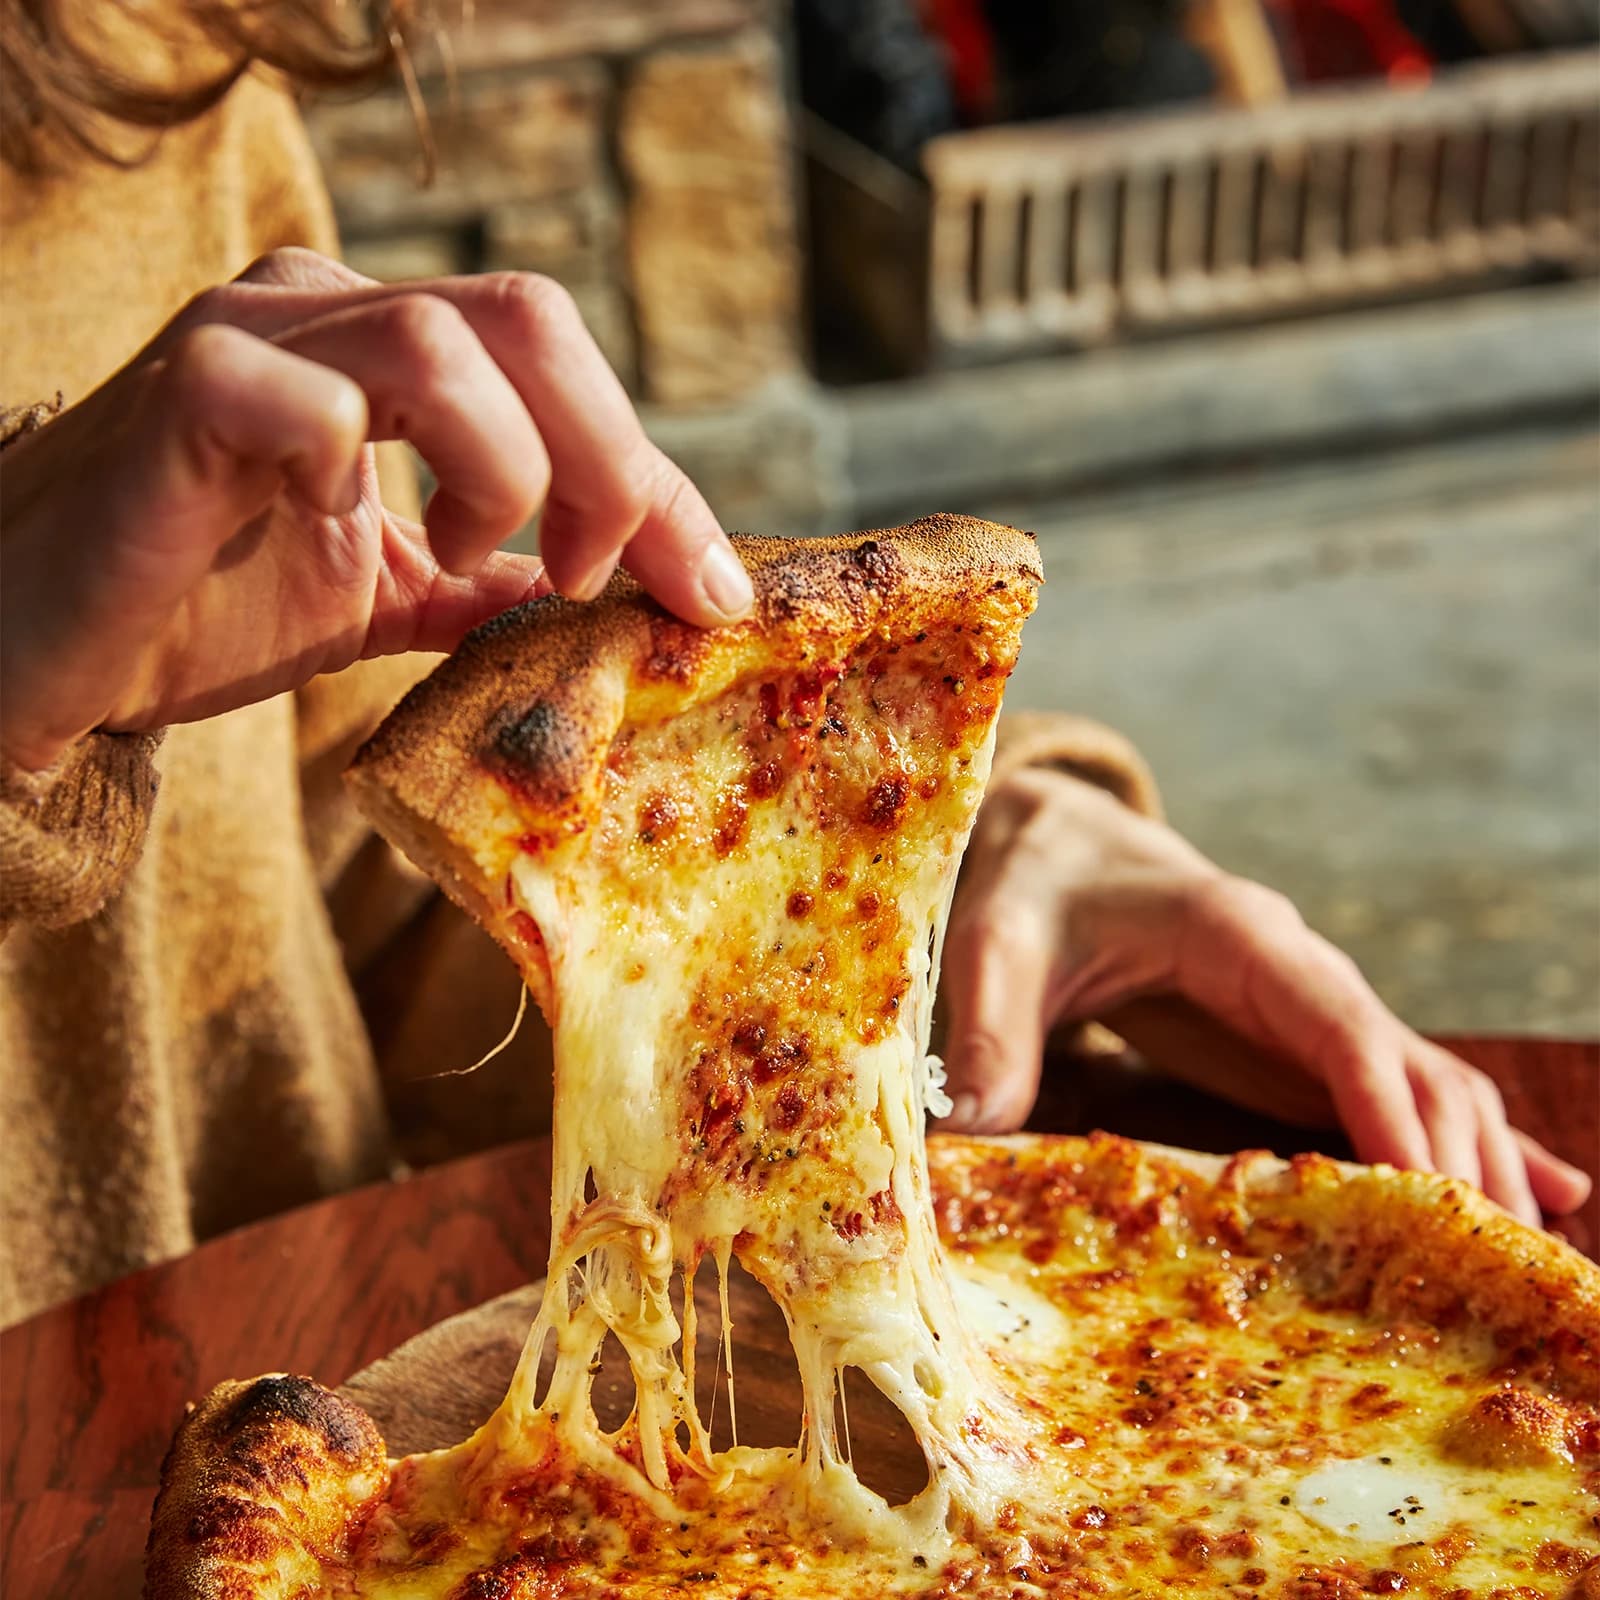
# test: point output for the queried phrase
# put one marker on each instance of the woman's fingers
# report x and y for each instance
(1366, 1077)
(679, 550)
(1504, 1172)
(1514, 1169)
(613, 495)
(1451, 1115)
(226, 421)
(229, 415)
(296, 267)
(1248, 957)
(176, 468)
(1015, 959)
(612, 490)
(428, 379)
(1400, 1099)
(420, 606)
(1558, 1186)
(995, 1046)
(999, 956)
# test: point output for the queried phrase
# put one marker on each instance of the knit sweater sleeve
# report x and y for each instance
(1077, 745)
(70, 835)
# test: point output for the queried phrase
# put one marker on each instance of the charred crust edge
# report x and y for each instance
(269, 1465)
(266, 1404)
(535, 650)
(539, 751)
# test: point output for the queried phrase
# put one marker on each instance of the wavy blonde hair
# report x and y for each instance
(61, 95)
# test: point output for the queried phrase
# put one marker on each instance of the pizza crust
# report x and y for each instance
(260, 1490)
(511, 732)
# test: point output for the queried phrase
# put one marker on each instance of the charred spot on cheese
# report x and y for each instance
(765, 781)
(658, 817)
(781, 1058)
(733, 818)
(749, 1036)
(791, 1106)
(884, 802)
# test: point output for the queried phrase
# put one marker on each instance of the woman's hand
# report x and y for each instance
(1071, 904)
(205, 530)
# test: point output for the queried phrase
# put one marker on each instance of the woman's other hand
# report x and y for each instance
(1071, 904)
(205, 530)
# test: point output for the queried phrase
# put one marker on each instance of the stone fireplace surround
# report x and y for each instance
(636, 150)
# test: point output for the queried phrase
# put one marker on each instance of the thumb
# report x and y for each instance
(995, 971)
(295, 267)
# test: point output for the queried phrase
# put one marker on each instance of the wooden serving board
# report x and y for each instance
(436, 1389)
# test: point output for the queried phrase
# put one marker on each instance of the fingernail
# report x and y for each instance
(725, 582)
(588, 587)
(964, 1109)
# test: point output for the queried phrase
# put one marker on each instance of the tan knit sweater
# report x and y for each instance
(220, 995)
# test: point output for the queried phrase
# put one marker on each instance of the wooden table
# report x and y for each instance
(91, 1391)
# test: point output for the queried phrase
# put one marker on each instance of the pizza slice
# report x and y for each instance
(722, 861)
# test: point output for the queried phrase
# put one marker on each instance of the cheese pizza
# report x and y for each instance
(722, 862)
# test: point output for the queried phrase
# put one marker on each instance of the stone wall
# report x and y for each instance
(639, 151)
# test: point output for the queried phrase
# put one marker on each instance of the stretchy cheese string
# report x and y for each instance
(484, 1060)
(724, 1250)
(855, 1291)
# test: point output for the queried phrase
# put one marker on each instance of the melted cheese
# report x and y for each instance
(1377, 1499)
(830, 1212)
(1222, 1419)
(1004, 1309)
(1113, 1394)
(1210, 1421)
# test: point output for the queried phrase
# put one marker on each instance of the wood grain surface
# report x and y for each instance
(90, 1392)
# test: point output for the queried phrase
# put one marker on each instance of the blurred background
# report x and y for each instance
(1275, 319)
